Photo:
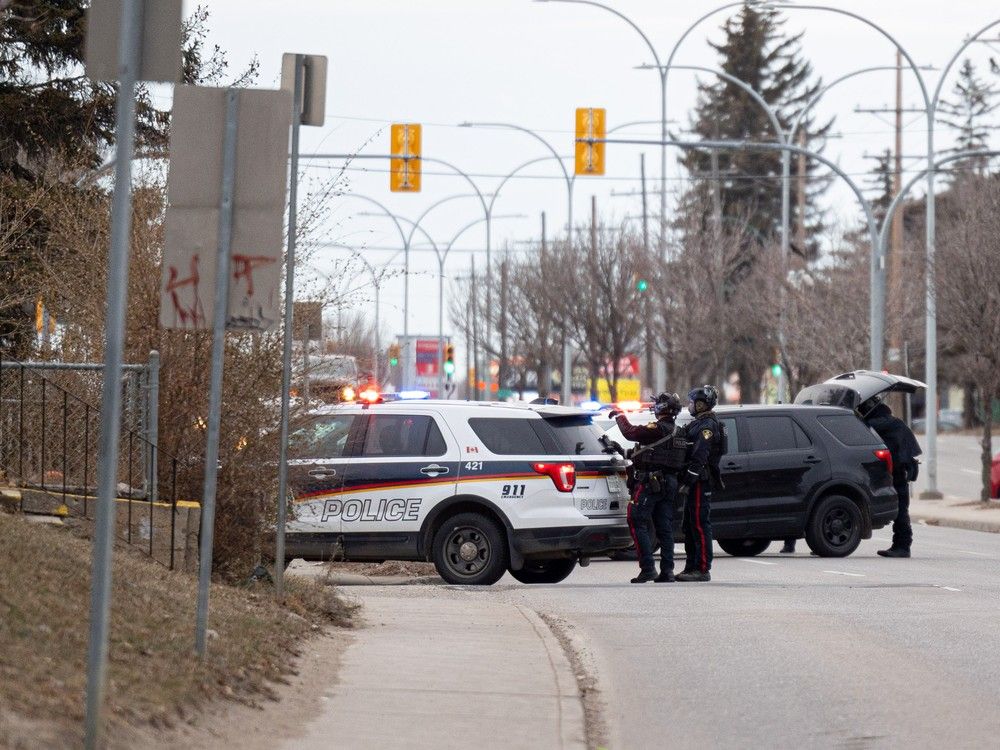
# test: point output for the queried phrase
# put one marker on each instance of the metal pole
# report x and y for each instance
(286, 354)
(930, 322)
(785, 229)
(153, 428)
(441, 259)
(129, 56)
(219, 316)
(378, 333)
(566, 396)
(663, 163)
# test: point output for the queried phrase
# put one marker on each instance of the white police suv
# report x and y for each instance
(479, 488)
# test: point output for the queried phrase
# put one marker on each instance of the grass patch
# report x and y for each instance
(154, 676)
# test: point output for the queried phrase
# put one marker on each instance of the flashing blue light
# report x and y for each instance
(413, 395)
(591, 405)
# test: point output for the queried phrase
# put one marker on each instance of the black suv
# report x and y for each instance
(800, 470)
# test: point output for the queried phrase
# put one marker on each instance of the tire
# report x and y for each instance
(470, 549)
(544, 571)
(834, 528)
(743, 547)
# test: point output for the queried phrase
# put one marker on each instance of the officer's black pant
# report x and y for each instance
(656, 508)
(697, 527)
(902, 531)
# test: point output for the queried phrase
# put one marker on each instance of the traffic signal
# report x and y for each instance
(449, 360)
(393, 355)
(776, 369)
(590, 123)
(641, 285)
(404, 167)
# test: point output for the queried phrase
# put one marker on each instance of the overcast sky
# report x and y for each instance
(441, 62)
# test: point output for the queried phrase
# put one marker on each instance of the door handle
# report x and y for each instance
(733, 465)
(323, 472)
(434, 470)
(813, 460)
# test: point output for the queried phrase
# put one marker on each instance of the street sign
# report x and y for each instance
(194, 193)
(313, 96)
(590, 123)
(160, 51)
(404, 171)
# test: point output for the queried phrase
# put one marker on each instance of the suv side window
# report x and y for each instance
(775, 433)
(400, 435)
(848, 429)
(507, 437)
(732, 435)
(802, 440)
(321, 437)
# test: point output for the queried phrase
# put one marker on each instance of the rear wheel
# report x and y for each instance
(470, 548)
(743, 547)
(834, 528)
(544, 571)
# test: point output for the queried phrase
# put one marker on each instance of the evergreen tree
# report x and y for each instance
(57, 126)
(967, 113)
(755, 50)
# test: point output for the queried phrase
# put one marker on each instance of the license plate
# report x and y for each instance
(614, 483)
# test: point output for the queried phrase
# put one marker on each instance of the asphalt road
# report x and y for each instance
(798, 651)
(959, 465)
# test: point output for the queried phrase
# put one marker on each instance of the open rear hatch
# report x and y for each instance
(852, 389)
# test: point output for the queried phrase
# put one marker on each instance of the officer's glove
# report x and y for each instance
(911, 471)
(613, 414)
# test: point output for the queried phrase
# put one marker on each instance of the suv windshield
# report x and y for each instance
(576, 435)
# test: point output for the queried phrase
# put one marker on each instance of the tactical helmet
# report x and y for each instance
(706, 393)
(667, 405)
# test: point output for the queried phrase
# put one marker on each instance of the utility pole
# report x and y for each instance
(896, 241)
(545, 376)
(475, 333)
(800, 195)
(716, 186)
(647, 370)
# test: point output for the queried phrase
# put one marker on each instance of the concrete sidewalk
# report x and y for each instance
(441, 667)
(958, 513)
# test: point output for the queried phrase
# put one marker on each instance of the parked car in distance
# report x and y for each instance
(949, 420)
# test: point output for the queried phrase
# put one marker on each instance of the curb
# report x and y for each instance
(989, 526)
(356, 579)
(572, 721)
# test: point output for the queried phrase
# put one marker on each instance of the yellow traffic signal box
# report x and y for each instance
(404, 167)
(590, 124)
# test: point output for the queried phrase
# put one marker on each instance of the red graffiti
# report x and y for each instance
(192, 314)
(244, 266)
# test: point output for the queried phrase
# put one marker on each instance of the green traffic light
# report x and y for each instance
(393, 361)
(776, 370)
(641, 285)
(449, 368)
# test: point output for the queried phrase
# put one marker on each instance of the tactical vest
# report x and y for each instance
(667, 453)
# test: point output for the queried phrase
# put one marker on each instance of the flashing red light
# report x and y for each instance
(885, 457)
(347, 393)
(563, 476)
(482, 385)
(494, 387)
(371, 395)
(630, 406)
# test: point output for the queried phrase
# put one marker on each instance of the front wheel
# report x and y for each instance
(470, 548)
(544, 571)
(834, 528)
(743, 547)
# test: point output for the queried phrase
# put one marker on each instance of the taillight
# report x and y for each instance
(563, 476)
(885, 457)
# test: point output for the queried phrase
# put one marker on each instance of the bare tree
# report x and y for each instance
(968, 295)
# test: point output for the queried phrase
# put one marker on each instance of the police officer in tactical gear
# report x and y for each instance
(707, 442)
(656, 460)
(904, 449)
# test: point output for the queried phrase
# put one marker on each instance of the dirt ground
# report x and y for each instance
(156, 681)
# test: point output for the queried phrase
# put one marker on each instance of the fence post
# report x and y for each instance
(153, 422)
(86, 453)
(152, 457)
(65, 448)
(173, 509)
(42, 466)
(129, 534)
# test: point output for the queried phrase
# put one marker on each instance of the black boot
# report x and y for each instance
(788, 549)
(645, 576)
(666, 576)
(699, 576)
(894, 552)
